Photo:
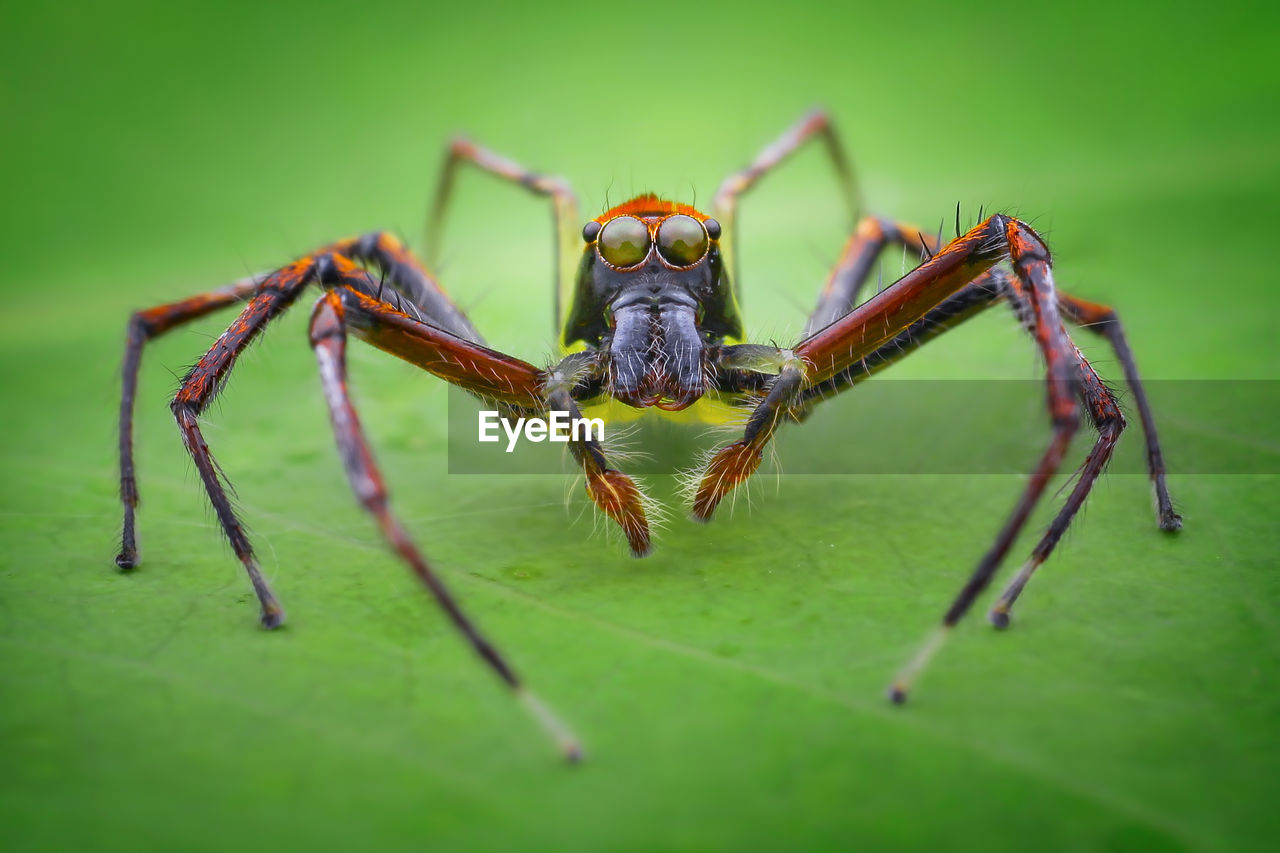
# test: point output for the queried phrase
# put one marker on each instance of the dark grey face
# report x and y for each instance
(653, 292)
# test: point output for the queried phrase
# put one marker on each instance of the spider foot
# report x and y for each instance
(272, 613)
(901, 685)
(272, 616)
(616, 494)
(999, 616)
(128, 556)
(730, 466)
(566, 741)
(1170, 521)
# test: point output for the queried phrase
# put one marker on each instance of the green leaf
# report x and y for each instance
(729, 689)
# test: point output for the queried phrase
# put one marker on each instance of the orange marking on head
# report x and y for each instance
(649, 204)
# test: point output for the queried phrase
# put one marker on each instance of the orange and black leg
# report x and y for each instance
(850, 273)
(1104, 412)
(509, 382)
(821, 358)
(1100, 403)
(815, 125)
(864, 247)
(612, 491)
(860, 335)
(1102, 320)
(406, 283)
(143, 326)
(276, 293)
(403, 282)
(441, 354)
(564, 207)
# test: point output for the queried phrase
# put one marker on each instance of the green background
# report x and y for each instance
(729, 688)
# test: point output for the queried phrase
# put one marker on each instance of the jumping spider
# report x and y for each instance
(650, 318)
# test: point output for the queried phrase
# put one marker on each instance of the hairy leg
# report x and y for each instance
(815, 125)
(143, 326)
(840, 296)
(846, 346)
(202, 384)
(1102, 320)
(511, 382)
(857, 259)
(405, 282)
(564, 207)
(405, 274)
(329, 340)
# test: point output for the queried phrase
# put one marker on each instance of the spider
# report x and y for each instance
(649, 317)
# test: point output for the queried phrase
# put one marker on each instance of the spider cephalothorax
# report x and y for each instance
(652, 292)
(649, 317)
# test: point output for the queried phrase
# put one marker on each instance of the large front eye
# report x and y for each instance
(624, 241)
(682, 240)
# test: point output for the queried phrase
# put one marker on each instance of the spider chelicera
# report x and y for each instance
(650, 318)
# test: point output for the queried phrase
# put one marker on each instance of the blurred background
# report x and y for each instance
(729, 687)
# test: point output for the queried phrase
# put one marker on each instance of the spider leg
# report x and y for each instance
(1104, 412)
(403, 273)
(863, 248)
(1032, 267)
(201, 385)
(329, 340)
(850, 272)
(814, 124)
(143, 326)
(564, 206)
(492, 375)
(1102, 320)
(858, 336)
(1100, 403)
(407, 275)
(613, 492)
(838, 347)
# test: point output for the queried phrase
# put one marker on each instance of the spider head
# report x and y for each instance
(653, 291)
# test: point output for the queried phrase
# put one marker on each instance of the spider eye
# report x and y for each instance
(624, 241)
(682, 240)
(590, 231)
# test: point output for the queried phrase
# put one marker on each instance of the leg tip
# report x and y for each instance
(573, 753)
(1170, 522)
(898, 694)
(272, 617)
(999, 618)
(127, 559)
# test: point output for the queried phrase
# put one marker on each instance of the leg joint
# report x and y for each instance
(140, 327)
(1066, 420)
(1024, 243)
(327, 319)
